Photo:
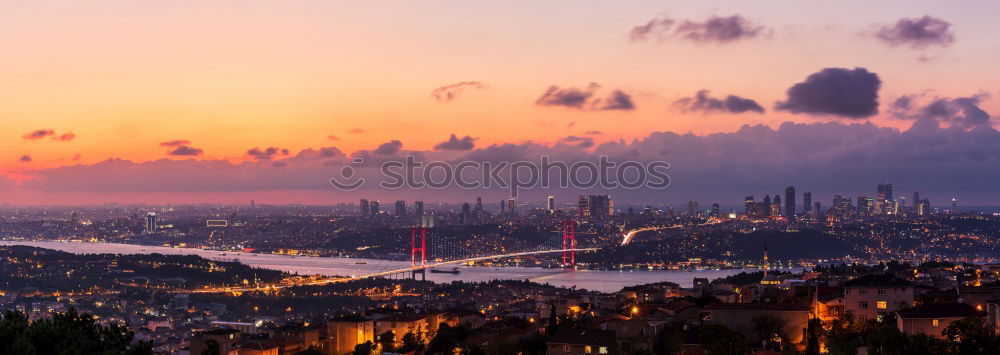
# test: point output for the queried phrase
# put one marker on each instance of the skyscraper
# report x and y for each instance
(400, 208)
(374, 208)
(478, 210)
(583, 207)
(510, 206)
(776, 206)
(418, 208)
(364, 208)
(600, 206)
(749, 206)
(551, 203)
(807, 198)
(466, 212)
(790, 203)
(715, 210)
(767, 206)
(150, 223)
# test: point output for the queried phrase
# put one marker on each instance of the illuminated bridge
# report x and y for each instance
(330, 280)
(418, 263)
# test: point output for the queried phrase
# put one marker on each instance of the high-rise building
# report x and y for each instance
(863, 206)
(551, 203)
(374, 208)
(150, 223)
(510, 206)
(478, 210)
(842, 205)
(600, 206)
(817, 210)
(503, 206)
(767, 206)
(365, 209)
(807, 198)
(776, 206)
(583, 207)
(916, 200)
(715, 210)
(466, 212)
(400, 208)
(790, 203)
(418, 208)
(749, 206)
(693, 208)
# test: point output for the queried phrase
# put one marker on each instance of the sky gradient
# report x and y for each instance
(184, 88)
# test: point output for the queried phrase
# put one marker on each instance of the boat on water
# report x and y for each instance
(361, 263)
(453, 271)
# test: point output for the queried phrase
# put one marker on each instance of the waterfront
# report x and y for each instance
(604, 281)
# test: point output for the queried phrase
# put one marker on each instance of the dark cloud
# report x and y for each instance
(658, 28)
(569, 97)
(702, 102)
(719, 29)
(960, 112)
(266, 154)
(455, 143)
(449, 92)
(715, 29)
(184, 150)
(582, 142)
(917, 33)
(585, 98)
(594, 133)
(66, 137)
(389, 148)
(617, 100)
(38, 134)
(175, 143)
(825, 158)
(848, 93)
(24, 158)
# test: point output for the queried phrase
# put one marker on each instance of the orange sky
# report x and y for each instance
(231, 75)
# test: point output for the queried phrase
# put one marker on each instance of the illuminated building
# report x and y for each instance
(400, 208)
(551, 203)
(150, 223)
(365, 209)
(807, 201)
(790, 203)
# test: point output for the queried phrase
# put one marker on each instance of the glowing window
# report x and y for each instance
(603, 350)
(934, 323)
(881, 305)
(586, 349)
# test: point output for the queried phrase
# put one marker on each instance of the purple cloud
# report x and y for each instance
(184, 150)
(450, 92)
(24, 159)
(455, 143)
(917, 33)
(847, 93)
(266, 154)
(585, 98)
(702, 102)
(960, 112)
(715, 29)
(175, 143)
(38, 134)
(582, 142)
(389, 148)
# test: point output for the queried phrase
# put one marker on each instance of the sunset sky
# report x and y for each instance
(181, 88)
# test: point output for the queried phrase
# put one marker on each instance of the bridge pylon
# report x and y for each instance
(422, 248)
(569, 242)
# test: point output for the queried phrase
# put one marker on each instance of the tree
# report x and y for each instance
(411, 342)
(553, 325)
(717, 339)
(66, 333)
(365, 349)
(972, 336)
(814, 330)
(770, 329)
(671, 340)
(387, 340)
(448, 338)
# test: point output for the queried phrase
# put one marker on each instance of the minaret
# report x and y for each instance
(765, 259)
